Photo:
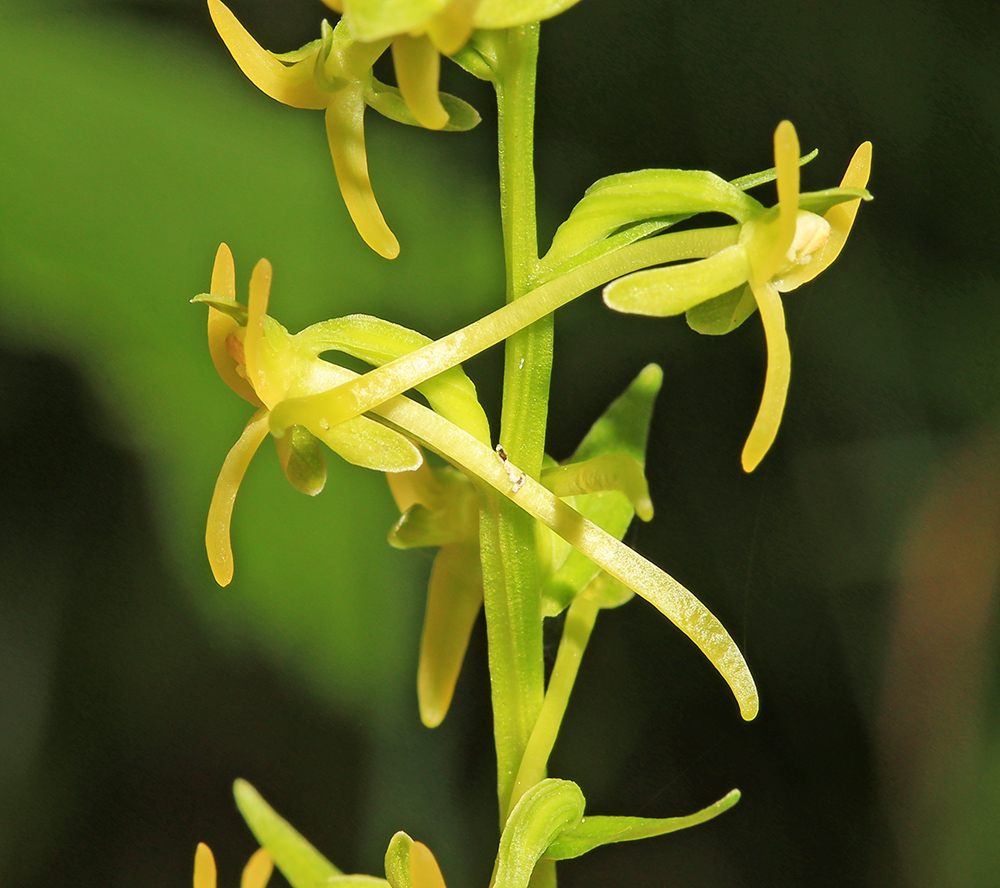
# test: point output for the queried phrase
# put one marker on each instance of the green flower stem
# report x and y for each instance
(580, 619)
(515, 87)
(365, 392)
(511, 594)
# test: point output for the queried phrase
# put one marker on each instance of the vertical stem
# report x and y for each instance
(528, 356)
(507, 534)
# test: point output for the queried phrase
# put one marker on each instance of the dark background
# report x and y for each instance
(858, 567)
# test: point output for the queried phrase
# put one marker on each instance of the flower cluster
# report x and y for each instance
(562, 525)
(717, 276)
(284, 376)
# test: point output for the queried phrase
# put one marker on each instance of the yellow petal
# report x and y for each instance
(841, 219)
(224, 274)
(258, 870)
(454, 597)
(220, 512)
(786, 162)
(779, 365)
(204, 867)
(673, 289)
(418, 67)
(291, 85)
(424, 869)
(253, 344)
(346, 134)
(220, 326)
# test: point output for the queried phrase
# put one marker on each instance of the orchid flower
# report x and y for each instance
(255, 874)
(334, 74)
(271, 368)
(265, 365)
(778, 250)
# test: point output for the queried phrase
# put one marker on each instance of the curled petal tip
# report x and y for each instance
(859, 168)
(750, 459)
(291, 85)
(224, 273)
(222, 570)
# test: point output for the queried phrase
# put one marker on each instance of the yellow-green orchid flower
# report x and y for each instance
(334, 74)
(778, 250)
(266, 365)
(255, 873)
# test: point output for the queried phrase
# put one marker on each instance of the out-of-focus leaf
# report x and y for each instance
(132, 156)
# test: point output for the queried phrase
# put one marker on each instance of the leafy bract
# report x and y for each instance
(592, 832)
(620, 432)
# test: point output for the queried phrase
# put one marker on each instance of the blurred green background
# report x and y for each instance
(858, 567)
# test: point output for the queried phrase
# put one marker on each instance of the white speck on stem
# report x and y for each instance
(324, 425)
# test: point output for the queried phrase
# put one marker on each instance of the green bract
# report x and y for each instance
(609, 497)
(593, 832)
